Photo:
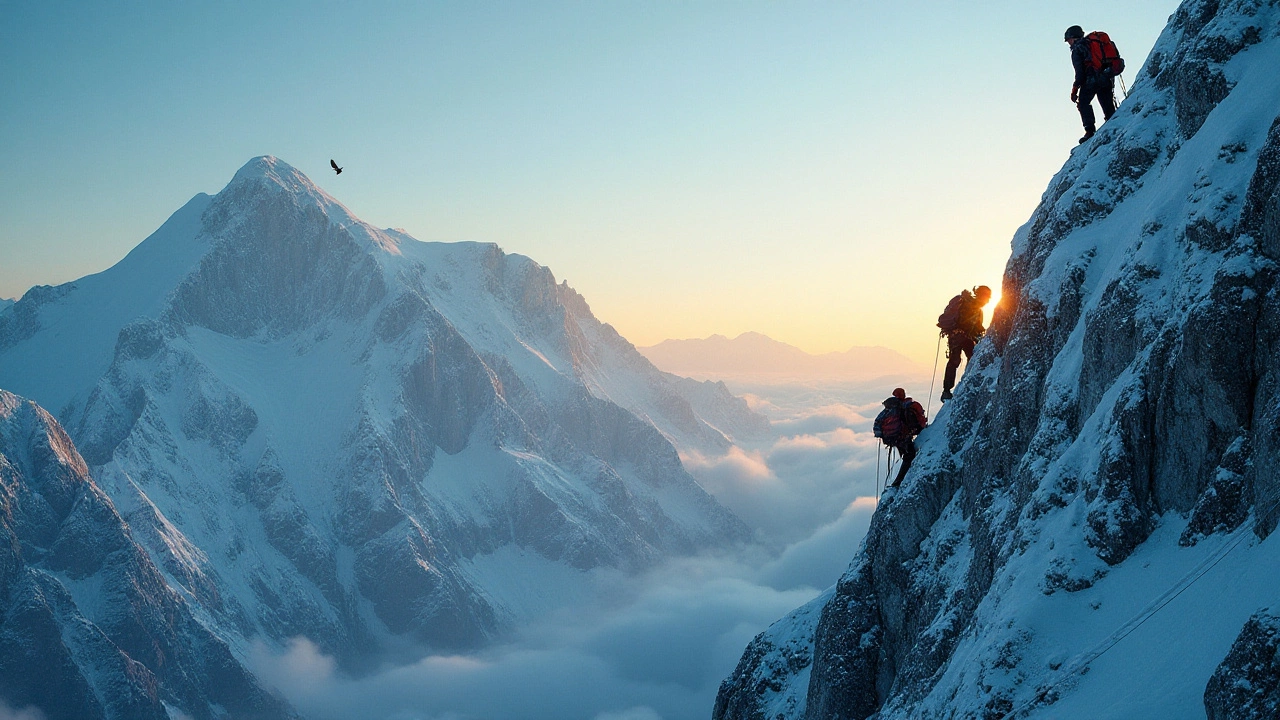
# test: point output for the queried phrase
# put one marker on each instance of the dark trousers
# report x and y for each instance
(907, 449)
(1103, 88)
(957, 343)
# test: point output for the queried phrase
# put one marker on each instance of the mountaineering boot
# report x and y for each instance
(1088, 133)
(946, 395)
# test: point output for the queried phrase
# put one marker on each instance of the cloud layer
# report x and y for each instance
(26, 713)
(657, 650)
(823, 459)
(654, 646)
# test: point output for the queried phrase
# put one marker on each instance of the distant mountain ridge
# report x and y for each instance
(753, 354)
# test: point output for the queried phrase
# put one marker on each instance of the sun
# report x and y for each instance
(990, 309)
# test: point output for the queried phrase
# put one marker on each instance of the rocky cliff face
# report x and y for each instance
(1119, 424)
(1247, 683)
(88, 626)
(319, 428)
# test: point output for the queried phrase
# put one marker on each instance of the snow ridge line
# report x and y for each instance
(1083, 660)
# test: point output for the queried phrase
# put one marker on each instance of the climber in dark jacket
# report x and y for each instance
(961, 322)
(1089, 83)
(896, 426)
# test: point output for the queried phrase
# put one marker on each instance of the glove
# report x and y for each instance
(1075, 94)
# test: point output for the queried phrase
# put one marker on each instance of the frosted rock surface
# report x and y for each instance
(1116, 432)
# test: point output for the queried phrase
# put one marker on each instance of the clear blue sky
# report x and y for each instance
(690, 167)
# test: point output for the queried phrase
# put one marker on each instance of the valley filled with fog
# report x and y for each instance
(658, 645)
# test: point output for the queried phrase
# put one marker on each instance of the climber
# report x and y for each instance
(1097, 63)
(961, 322)
(897, 424)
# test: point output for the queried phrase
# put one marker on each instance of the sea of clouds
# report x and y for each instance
(654, 646)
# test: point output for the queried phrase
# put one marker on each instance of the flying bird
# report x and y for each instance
(336, 169)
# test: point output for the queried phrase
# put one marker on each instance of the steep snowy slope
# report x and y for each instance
(320, 428)
(88, 627)
(1088, 530)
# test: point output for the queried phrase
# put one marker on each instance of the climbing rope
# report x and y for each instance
(888, 467)
(1123, 89)
(934, 377)
(877, 470)
(1086, 658)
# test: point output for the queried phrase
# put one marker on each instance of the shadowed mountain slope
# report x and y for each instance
(88, 626)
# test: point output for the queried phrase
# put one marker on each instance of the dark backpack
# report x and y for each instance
(949, 320)
(1104, 57)
(889, 426)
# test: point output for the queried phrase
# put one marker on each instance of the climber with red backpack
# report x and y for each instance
(1097, 63)
(961, 322)
(897, 424)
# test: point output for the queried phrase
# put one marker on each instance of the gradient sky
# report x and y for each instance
(827, 173)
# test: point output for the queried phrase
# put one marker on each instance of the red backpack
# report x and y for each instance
(1104, 57)
(899, 422)
(889, 426)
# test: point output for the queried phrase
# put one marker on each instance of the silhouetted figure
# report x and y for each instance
(336, 169)
(897, 425)
(1097, 62)
(961, 322)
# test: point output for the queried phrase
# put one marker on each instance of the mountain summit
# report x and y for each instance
(1088, 528)
(316, 427)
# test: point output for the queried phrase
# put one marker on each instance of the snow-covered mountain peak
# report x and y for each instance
(22, 419)
(273, 170)
(320, 428)
(282, 254)
(267, 182)
(8, 404)
(266, 175)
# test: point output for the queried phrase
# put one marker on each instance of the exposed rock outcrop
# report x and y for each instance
(1246, 686)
